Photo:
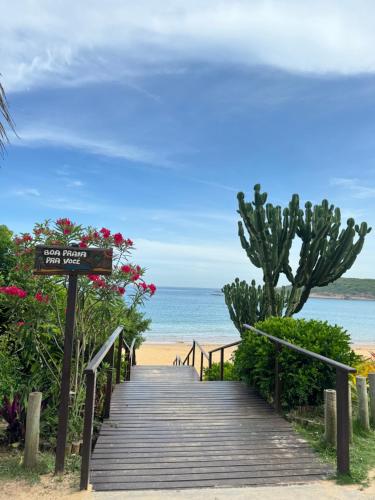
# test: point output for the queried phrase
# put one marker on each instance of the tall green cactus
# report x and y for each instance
(326, 254)
(249, 303)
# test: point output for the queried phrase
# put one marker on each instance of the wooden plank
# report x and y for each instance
(181, 453)
(149, 461)
(211, 483)
(103, 465)
(237, 471)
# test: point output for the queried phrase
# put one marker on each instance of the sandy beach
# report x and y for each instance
(153, 353)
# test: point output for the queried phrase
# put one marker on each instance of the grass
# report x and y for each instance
(362, 452)
(11, 466)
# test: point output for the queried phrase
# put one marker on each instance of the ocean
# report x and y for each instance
(184, 314)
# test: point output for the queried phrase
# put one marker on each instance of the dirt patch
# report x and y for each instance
(49, 488)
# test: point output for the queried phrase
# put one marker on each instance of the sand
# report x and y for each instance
(153, 353)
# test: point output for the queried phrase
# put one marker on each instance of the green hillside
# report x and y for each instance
(349, 287)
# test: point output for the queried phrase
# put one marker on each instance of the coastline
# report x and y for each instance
(163, 353)
(337, 296)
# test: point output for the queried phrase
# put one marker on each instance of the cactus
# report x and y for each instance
(326, 254)
(249, 303)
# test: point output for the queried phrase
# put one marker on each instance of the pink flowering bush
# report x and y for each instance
(35, 307)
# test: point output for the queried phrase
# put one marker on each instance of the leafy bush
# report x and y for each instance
(303, 379)
(365, 366)
(33, 312)
(213, 373)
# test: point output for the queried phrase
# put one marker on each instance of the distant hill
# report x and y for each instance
(347, 288)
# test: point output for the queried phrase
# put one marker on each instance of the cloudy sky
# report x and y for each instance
(147, 117)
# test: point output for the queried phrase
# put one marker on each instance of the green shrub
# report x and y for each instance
(303, 379)
(213, 373)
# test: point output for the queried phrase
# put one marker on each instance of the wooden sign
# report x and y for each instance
(72, 260)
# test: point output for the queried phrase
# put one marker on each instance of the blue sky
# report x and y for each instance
(149, 118)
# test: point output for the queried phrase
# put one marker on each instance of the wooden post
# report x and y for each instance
(108, 389)
(350, 415)
(119, 355)
(32, 430)
(127, 367)
(201, 371)
(277, 395)
(87, 429)
(362, 403)
(342, 392)
(371, 380)
(62, 429)
(330, 417)
(193, 357)
(210, 360)
(221, 364)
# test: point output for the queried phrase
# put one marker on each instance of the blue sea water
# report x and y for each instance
(181, 314)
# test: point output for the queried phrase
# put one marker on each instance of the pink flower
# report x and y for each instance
(20, 323)
(105, 232)
(67, 230)
(27, 237)
(118, 239)
(126, 269)
(121, 290)
(97, 280)
(99, 283)
(13, 290)
(82, 244)
(41, 298)
(64, 222)
(129, 242)
(95, 235)
(135, 277)
(152, 288)
(143, 286)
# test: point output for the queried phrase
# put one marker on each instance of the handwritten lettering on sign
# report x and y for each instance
(66, 260)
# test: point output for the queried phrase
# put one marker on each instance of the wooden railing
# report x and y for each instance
(106, 353)
(221, 349)
(342, 393)
(204, 354)
(177, 361)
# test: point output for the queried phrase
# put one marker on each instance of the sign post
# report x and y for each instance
(62, 429)
(72, 261)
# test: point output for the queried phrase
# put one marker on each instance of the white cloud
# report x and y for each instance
(357, 189)
(27, 192)
(75, 183)
(195, 264)
(70, 43)
(47, 136)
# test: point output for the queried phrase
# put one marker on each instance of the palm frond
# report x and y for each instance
(4, 118)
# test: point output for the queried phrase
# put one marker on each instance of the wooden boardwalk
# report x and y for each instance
(167, 430)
